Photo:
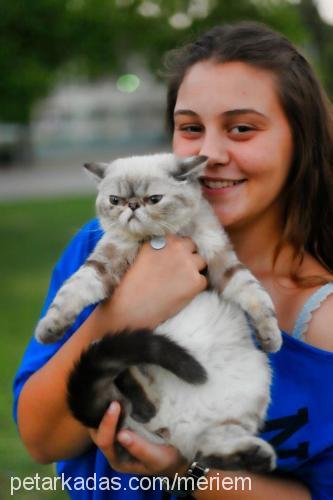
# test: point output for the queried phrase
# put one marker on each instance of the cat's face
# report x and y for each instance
(147, 196)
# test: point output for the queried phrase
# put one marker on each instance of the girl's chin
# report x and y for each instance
(227, 219)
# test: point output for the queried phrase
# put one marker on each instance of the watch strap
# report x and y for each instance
(181, 485)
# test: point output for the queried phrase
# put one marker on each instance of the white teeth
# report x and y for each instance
(220, 184)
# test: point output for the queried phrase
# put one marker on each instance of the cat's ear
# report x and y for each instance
(97, 170)
(189, 168)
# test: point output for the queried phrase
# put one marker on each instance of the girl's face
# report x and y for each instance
(230, 112)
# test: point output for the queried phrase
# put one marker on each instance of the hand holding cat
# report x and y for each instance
(158, 285)
(148, 458)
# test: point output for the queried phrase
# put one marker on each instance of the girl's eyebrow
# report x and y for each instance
(243, 111)
(229, 113)
(185, 112)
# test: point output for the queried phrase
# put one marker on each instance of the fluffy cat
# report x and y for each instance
(198, 381)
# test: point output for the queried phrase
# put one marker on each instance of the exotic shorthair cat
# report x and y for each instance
(198, 381)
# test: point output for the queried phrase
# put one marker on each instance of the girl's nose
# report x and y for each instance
(215, 148)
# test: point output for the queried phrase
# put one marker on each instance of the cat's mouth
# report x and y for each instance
(131, 220)
(134, 223)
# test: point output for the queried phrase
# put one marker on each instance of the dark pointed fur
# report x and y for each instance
(143, 410)
(92, 384)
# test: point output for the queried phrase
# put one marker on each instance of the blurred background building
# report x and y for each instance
(103, 119)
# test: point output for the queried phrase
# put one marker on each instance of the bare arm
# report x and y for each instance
(252, 487)
(45, 424)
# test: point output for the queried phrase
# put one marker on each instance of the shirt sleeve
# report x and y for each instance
(36, 354)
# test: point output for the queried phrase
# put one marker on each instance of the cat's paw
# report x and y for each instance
(49, 330)
(250, 453)
(269, 334)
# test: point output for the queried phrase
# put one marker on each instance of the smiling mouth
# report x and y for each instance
(220, 184)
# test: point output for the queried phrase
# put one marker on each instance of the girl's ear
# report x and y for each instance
(97, 170)
(189, 168)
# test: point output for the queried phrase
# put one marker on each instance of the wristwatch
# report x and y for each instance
(183, 486)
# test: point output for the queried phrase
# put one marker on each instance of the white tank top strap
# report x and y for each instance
(310, 305)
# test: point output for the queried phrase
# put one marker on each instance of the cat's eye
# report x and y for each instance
(155, 198)
(115, 200)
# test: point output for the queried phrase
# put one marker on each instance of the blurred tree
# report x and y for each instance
(119, 28)
(320, 48)
(45, 40)
(34, 42)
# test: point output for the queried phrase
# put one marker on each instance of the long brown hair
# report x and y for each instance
(308, 214)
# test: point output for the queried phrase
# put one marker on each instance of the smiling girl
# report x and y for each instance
(243, 96)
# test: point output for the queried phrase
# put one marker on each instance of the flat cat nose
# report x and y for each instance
(133, 204)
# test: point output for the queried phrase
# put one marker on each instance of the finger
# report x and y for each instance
(104, 436)
(202, 283)
(152, 457)
(187, 243)
(199, 262)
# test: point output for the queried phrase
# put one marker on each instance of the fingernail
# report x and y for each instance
(112, 408)
(125, 438)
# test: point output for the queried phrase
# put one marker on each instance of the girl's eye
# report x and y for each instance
(155, 198)
(114, 200)
(241, 129)
(191, 129)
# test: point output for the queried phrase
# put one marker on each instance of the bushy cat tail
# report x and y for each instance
(117, 352)
(91, 384)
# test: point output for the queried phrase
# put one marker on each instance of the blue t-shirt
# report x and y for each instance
(299, 421)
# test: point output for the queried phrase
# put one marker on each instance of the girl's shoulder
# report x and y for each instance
(320, 330)
(318, 308)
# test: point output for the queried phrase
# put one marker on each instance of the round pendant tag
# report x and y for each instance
(158, 242)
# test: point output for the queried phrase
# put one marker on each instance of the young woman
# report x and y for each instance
(243, 96)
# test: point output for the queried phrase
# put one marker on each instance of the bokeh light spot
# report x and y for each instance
(180, 21)
(128, 83)
(149, 9)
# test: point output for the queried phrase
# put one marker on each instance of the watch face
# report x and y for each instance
(197, 470)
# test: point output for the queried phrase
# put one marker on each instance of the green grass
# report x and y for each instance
(33, 235)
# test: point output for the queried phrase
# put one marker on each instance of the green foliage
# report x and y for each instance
(33, 45)
(32, 236)
(320, 46)
(43, 40)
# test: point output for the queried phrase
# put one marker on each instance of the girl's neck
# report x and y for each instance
(256, 243)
